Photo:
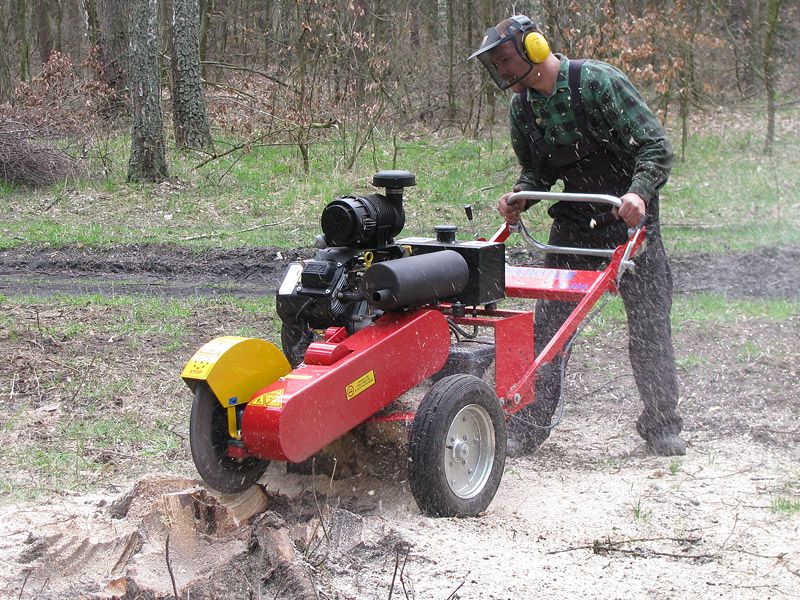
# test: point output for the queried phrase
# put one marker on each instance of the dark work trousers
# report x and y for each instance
(647, 295)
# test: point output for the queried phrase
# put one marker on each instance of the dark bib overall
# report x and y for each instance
(589, 167)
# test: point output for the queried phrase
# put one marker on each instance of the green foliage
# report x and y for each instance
(724, 196)
(640, 511)
(727, 196)
(785, 506)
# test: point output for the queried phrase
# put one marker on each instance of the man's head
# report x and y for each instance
(510, 49)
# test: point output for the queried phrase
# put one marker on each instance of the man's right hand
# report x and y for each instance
(510, 210)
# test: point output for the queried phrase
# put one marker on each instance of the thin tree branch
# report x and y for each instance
(224, 233)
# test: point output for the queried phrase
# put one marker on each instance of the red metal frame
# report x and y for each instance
(345, 380)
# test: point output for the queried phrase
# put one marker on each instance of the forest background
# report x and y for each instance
(233, 75)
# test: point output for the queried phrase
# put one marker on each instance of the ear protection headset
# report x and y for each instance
(534, 44)
(534, 48)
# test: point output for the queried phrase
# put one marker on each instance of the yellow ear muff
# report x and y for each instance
(536, 47)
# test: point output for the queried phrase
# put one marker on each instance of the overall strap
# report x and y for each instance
(538, 146)
(563, 156)
(575, 91)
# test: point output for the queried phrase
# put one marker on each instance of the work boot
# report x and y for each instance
(666, 444)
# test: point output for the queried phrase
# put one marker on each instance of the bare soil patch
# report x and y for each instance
(590, 514)
(171, 270)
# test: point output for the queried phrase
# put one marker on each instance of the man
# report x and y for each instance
(584, 123)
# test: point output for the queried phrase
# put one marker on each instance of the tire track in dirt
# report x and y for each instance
(176, 271)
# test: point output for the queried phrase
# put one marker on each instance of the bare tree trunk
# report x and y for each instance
(686, 76)
(773, 10)
(206, 7)
(21, 18)
(147, 161)
(44, 33)
(115, 44)
(5, 71)
(451, 84)
(190, 119)
(92, 23)
(59, 25)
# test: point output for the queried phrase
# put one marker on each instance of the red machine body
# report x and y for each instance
(344, 381)
(403, 314)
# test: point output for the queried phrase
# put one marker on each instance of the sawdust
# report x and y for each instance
(589, 515)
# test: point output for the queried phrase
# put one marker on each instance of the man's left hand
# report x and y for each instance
(632, 210)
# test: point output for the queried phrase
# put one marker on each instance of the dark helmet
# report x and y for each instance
(513, 31)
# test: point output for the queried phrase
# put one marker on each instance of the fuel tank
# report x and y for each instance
(415, 280)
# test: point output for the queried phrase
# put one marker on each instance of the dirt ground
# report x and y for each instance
(589, 515)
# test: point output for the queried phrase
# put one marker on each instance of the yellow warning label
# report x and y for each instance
(197, 369)
(273, 399)
(359, 385)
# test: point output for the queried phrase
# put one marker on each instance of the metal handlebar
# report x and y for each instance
(568, 197)
(519, 226)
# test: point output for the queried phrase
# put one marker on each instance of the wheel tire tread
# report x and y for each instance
(423, 449)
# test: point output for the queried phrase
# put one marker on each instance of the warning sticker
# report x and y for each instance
(359, 385)
(197, 369)
(273, 399)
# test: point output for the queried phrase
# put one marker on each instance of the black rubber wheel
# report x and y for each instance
(208, 439)
(296, 335)
(457, 449)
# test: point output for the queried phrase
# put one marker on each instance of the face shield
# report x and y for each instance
(490, 52)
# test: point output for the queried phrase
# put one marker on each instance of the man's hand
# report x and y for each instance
(632, 210)
(510, 210)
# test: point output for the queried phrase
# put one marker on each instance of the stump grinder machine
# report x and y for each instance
(369, 318)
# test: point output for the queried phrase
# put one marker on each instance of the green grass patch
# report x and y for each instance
(702, 309)
(82, 450)
(691, 362)
(727, 195)
(261, 197)
(714, 307)
(724, 196)
(785, 506)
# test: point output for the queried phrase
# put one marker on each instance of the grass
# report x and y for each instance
(702, 309)
(728, 196)
(249, 191)
(92, 390)
(640, 512)
(782, 505)
(83, 450)
(724, 196)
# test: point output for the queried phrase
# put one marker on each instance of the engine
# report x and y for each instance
(360, 270)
